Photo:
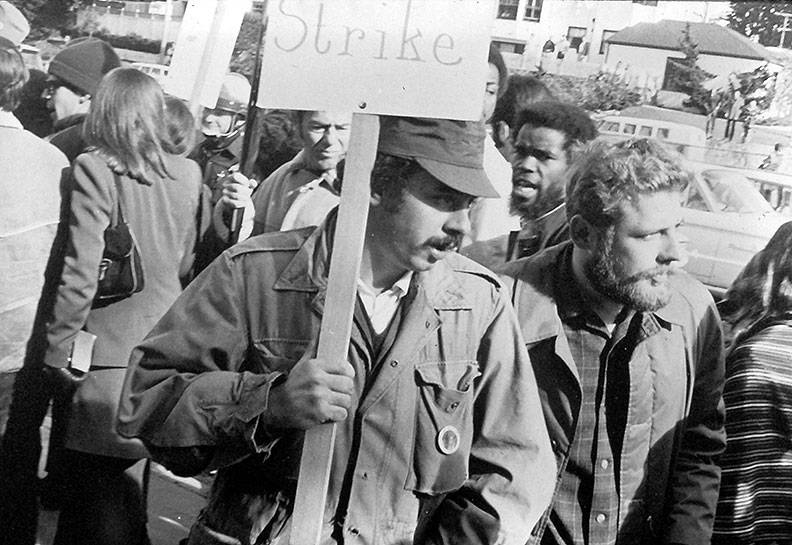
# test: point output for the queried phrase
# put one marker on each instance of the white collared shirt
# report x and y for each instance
(382, 307)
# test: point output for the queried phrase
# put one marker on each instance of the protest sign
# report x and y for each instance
(420, 58)
(203, 50)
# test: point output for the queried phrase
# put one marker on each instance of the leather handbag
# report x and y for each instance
(121, 269)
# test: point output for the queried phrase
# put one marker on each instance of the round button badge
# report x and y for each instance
(448, 440)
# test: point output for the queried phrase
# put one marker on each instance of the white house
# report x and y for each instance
(521, 27)
(644, 52)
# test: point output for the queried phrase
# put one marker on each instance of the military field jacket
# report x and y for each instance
(452, 415)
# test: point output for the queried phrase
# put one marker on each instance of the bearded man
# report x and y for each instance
(546, 138)
(627, 352)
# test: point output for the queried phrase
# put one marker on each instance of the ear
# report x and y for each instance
(503, 131)
(583, 234)
(375, 199)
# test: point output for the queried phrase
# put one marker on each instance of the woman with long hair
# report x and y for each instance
(754, 505)
(129, 174)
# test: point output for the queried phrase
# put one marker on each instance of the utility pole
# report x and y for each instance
(784, 28)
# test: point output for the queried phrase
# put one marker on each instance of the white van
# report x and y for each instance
(688, 140)
(157, 71)
(31, 55)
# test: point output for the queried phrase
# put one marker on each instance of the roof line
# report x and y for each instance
(718, 54)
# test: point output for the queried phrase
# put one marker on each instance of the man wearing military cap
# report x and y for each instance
(440, 437)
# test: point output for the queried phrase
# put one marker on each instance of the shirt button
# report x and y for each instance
(604, 463)
(600, 518)
(354, 531)
(394, 363)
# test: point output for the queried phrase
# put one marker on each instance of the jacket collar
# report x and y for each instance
(68, 121)
(539, 316)
(9, 120)
(308, 270)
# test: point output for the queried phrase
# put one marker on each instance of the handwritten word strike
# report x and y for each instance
(407, 42)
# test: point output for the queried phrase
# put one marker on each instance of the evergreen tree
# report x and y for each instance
(45, 16)
(686, 76)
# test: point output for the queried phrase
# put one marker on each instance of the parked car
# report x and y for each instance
(31, 56)
(157, 71)
(688, 140)
(775, 187)
(727, 221)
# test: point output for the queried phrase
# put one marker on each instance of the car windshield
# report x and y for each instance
(734, 193)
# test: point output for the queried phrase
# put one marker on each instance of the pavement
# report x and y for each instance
(173, 502)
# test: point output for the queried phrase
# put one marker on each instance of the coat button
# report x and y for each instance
(604, 463)
(427, 324)
(600, 518)
(354, 531)
(453, 406)
(394, 363)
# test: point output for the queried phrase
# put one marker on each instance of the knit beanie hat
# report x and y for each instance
(83, 63)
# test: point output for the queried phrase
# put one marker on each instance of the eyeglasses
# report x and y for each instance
(50, 89)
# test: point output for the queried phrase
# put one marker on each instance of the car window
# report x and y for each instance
(611, 126)
(734, 193)
(645, 131)
(629, 128)
(662, 134)
(695, 199)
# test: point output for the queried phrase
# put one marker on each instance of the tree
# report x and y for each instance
(761, 19)
(758, 85)
(45, 16)
(686, 76)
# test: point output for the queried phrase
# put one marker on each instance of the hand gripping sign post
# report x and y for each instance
(201, 56)
(418, 58)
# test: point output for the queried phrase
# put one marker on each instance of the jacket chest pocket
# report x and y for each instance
(443, 425)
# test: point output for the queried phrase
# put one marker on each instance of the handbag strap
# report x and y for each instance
(117, 216)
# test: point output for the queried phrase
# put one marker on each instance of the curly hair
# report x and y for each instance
(606, 175)
(567, 118)
(389, 178)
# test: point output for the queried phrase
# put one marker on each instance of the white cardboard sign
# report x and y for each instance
(422, 58)
(203, 49)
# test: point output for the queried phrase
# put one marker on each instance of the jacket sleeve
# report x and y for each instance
(512, 468)
(89, 215)
(695, 482)
(198, 231)
(185, 388)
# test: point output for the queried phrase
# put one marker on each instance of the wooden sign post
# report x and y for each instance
(417, 58)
